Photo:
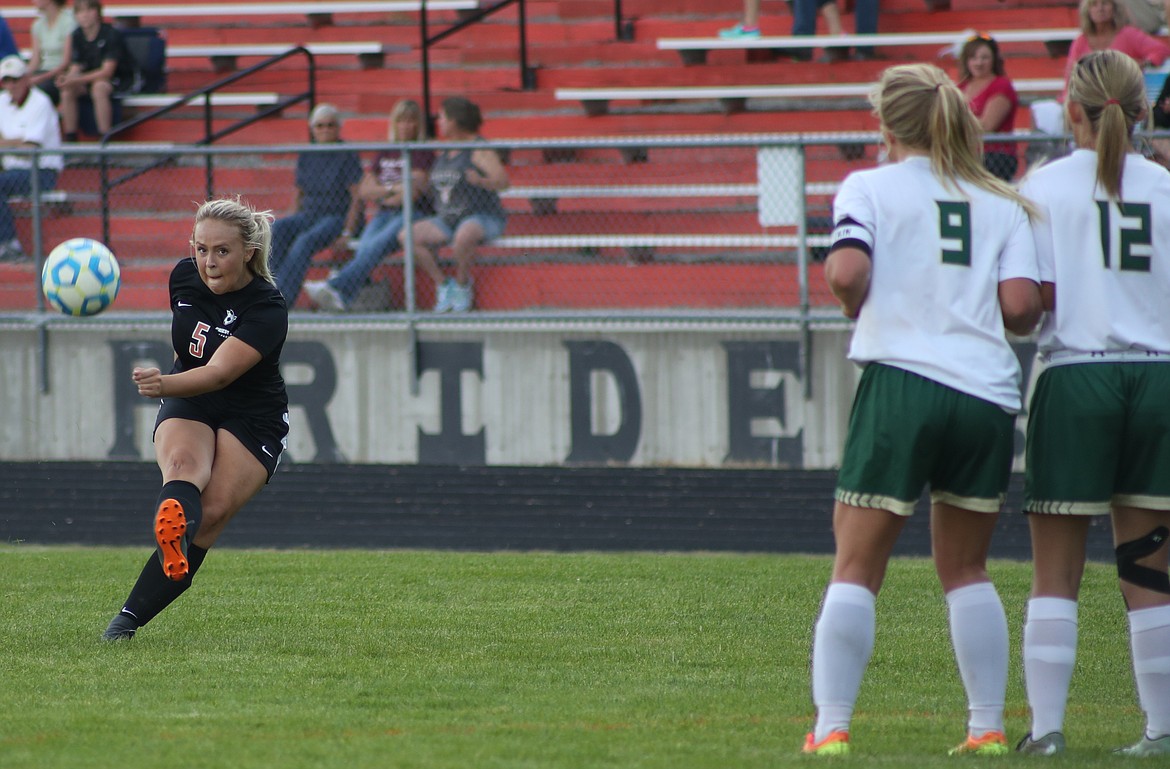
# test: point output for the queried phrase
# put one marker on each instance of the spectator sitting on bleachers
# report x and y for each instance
(382, 183)
(749, 28)
(51, 35)
(804, 22)
(27, 120)
(466, 185)
(993, 99)
(100, 67)
(327, 206)
(1105, 24)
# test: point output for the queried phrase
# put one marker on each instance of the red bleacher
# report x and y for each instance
(571, 43)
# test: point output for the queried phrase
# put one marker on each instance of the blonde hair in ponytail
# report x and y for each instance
(254, 226)
(1111, 90)
(950, 133)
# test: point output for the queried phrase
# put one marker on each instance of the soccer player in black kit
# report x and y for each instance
(223, 415)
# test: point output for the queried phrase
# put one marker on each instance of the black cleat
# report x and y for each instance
(122, 628)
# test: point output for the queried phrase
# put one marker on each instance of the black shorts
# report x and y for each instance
(264, 436)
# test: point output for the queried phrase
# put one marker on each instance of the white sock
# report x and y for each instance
(1149, 639)
(842, 644)
(980, 637)
(1050, 649)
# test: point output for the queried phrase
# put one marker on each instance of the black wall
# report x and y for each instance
(473, 508)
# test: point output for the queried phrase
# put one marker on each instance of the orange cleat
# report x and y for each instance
(170, 532)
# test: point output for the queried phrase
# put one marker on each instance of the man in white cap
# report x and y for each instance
(27, 120)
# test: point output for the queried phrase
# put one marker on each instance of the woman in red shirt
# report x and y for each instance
(993, 99)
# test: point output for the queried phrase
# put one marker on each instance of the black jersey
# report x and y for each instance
(201, 320)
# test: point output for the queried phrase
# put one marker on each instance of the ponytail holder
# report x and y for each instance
(1112, 101)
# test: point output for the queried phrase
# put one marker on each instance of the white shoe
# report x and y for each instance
(462, 297)
(325, 296)
(444, 295)
(1050, 744)
(1146, 747)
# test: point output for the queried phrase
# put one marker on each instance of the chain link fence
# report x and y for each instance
(701, 227)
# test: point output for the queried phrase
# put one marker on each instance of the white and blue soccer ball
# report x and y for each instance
(81, 277)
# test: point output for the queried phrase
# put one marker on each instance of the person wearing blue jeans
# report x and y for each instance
(384, 184)
(27, 120)
(327, 209)
(804, 22)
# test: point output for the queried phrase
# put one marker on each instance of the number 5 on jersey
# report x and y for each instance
(199, 339)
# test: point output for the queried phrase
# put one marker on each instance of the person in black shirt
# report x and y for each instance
(223, 418)
(101, 68)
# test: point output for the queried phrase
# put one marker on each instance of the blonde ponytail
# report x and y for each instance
(1111, 91)
(950, 134)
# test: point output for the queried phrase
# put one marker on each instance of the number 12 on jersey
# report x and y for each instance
(1130, 231)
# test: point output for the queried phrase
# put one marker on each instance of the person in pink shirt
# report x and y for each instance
(1105, 24)
(992, 97)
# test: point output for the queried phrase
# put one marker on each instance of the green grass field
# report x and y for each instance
(438, 659)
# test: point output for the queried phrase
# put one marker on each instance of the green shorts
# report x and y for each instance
(1099, 435)
(907, 431)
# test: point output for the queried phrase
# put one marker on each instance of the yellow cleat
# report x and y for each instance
(836, 744)
(990, 744)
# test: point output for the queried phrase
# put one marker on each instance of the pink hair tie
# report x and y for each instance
(1112, 101)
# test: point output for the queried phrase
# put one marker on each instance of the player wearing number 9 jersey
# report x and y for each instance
(934, 257)
(1099, 422)
(223, 418)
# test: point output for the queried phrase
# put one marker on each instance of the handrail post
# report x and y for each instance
(34, 182)
(527, 75)
(806, 339)
(622, 30)
(428, 119)
(104, 165)
(407, 236)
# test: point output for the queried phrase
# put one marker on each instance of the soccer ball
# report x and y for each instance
(81, 277)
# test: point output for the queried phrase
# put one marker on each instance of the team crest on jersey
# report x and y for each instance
(230, 318)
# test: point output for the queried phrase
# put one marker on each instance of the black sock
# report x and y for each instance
(187, 494)
(155, 591)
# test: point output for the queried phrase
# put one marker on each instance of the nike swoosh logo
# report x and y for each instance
(266, 451)
(182, 304)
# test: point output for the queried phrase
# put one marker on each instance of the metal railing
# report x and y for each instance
(211, 135)
(527, 74)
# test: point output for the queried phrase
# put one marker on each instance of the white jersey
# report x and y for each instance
(939, 256)
(1110, 262)
(34, 121)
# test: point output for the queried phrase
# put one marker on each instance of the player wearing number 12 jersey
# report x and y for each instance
(223, 418)
(934, 257)
(1099, 422)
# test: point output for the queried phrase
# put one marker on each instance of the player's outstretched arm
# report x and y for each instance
(229, 362)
